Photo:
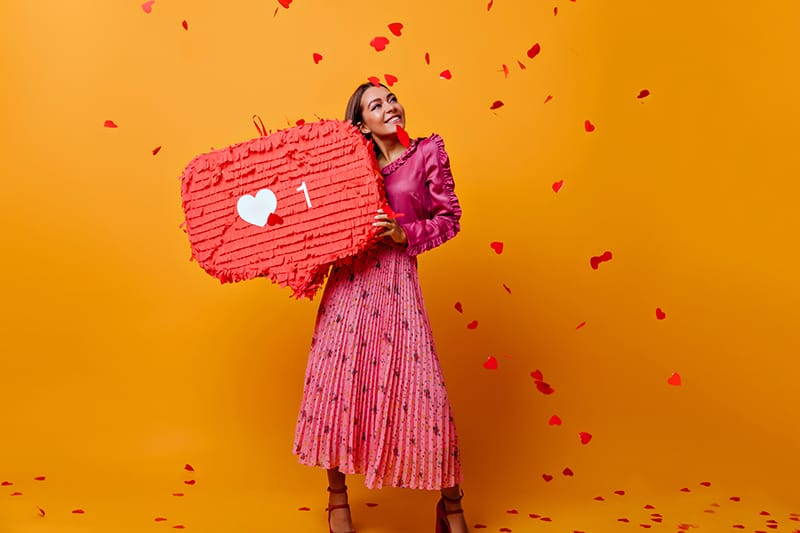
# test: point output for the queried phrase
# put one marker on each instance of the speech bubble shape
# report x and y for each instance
(320, 181)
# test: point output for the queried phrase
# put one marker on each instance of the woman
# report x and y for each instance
(374, 401)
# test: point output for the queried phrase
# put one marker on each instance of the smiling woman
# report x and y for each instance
(375, 401)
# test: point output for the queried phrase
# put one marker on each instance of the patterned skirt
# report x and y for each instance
(374, 400)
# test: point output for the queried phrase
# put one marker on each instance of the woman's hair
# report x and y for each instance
(353, 110)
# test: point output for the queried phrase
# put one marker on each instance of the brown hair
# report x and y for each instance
(353, 110)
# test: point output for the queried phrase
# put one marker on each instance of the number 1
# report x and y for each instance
(303, 188)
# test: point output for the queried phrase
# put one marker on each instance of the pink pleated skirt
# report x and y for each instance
(374, 400)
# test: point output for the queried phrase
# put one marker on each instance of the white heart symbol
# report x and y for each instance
(256, 209)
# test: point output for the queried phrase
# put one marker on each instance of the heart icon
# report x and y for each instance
(660, 314)
(490, 364)
(674, 379)
(257, 209)
(557, 185)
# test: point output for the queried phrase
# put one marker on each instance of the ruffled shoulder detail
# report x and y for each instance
(397, 163)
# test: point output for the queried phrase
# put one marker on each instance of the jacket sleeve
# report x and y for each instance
(444, 211)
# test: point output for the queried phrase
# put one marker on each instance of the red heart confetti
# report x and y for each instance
(505, 529)
(379, 43)
(285, 3)
(177, 494)
(6, 484)
(39, 478)
(188, 467)
(402, 136)
(619, 492)
(445, 75)
(299, 122)
(735, 499)
(190, 482)
(458, 307)
(557, 185)
(588, 126)
(705, 483)
(579, 326)
(506, 287)
(41, 511)
(472, 325)
(17, 493)
(274, 219)
(512, 511)
(504, 68)
(715, 505)
(489, 5)
(534, 516)
(160, 519)
(427, 58)
(78, 511)
(674, 379)
(497, 247)
(110, 124)
(396, 28)
(480, 526)
(547, 477)
(185, 25)
(147, 7)
(549, 97)
(599, 499)
(686, 489)
(156, 150)
(568, 472)
(317, 58)
(374, 80)
(657, 520)
(738, 526)
(648, 506)
(521, 65)
(555, 11)
(537, 375)
(585, 437)
(534, 50)
(544, 388)
(490, 363)
(661, 315)
(497, 104)
(179, 526)
(371, 504)
(644, 93)
(623, 520)
(555, 420)
(597, 259)
(764, 513)
(390, 80)
(304, 508)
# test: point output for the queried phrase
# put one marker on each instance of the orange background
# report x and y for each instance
(122, 361)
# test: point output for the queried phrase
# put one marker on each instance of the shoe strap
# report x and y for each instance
(454, 500)
(454, 512)
(338, 506)
(338, 491)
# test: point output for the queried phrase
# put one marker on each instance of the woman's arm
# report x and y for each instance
(444, 209)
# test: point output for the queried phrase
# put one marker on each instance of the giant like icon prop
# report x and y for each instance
(284, 206)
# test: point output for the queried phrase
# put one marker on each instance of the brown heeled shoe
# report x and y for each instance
(339, 506)
(442, 525)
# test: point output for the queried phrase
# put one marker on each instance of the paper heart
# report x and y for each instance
(674, 379)
(472, 325)
(588, 126)
(534, 50)
(322, 179)
(568, 472)
(147, 7)
(490, 363)
(497, 247)
(390, 79)
(557, 185)
(257, 209)
(285, 3)
(537, 375)
(547, 477)
(644, 93)
(379, 43)
(585, 437)
(555, 420)
(597, 259)
(459, 307)
(317, 58)
(396, 28)
(619, 492)
(660, 315)
(445, 75)
(497, 104)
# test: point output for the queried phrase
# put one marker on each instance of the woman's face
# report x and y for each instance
(381, 112)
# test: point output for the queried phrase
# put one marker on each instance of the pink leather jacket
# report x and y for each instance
(420, 185)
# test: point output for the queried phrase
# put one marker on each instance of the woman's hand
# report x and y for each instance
(393, 229)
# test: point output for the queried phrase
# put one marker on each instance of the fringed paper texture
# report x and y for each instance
(320, 189)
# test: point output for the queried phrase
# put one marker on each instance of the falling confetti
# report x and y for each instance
(555, 11)
(185, 25)
(544, 388)
(507, 288)
(371, 504)
(674, 379)
(188, 467)
(619, 492)
(661, 315)
(472, 325)
(521, 65)
(379, 43)
(588, 126)
(190, 482)
(374, 80)
(274, 219)
(285, 3)
(156, 150)
(547, 477)
(78, 511)
(6, 484)
(317, 58)
(458, 307)
(39, 478)
(41, 511)
(177, 494)
(579, 326)
(490, 363)
(534, 50)
(504, 69)
(489, 5)
(497, 246)
(585, 437)
(557, 185)
(110, 124)
(17, 493)
(705, 483)
(568, 472)
(396, 28)
(427, 58)
(390, 80)
(402, 136)
(549, 97)
(304, 508)
(160, 519)
(445, 75)
(147, 7)
(644, 93)
(497, 104)
(555, 420)
(597, 259)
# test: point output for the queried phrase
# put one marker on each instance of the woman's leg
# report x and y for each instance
(452, 502)
(340, 518)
